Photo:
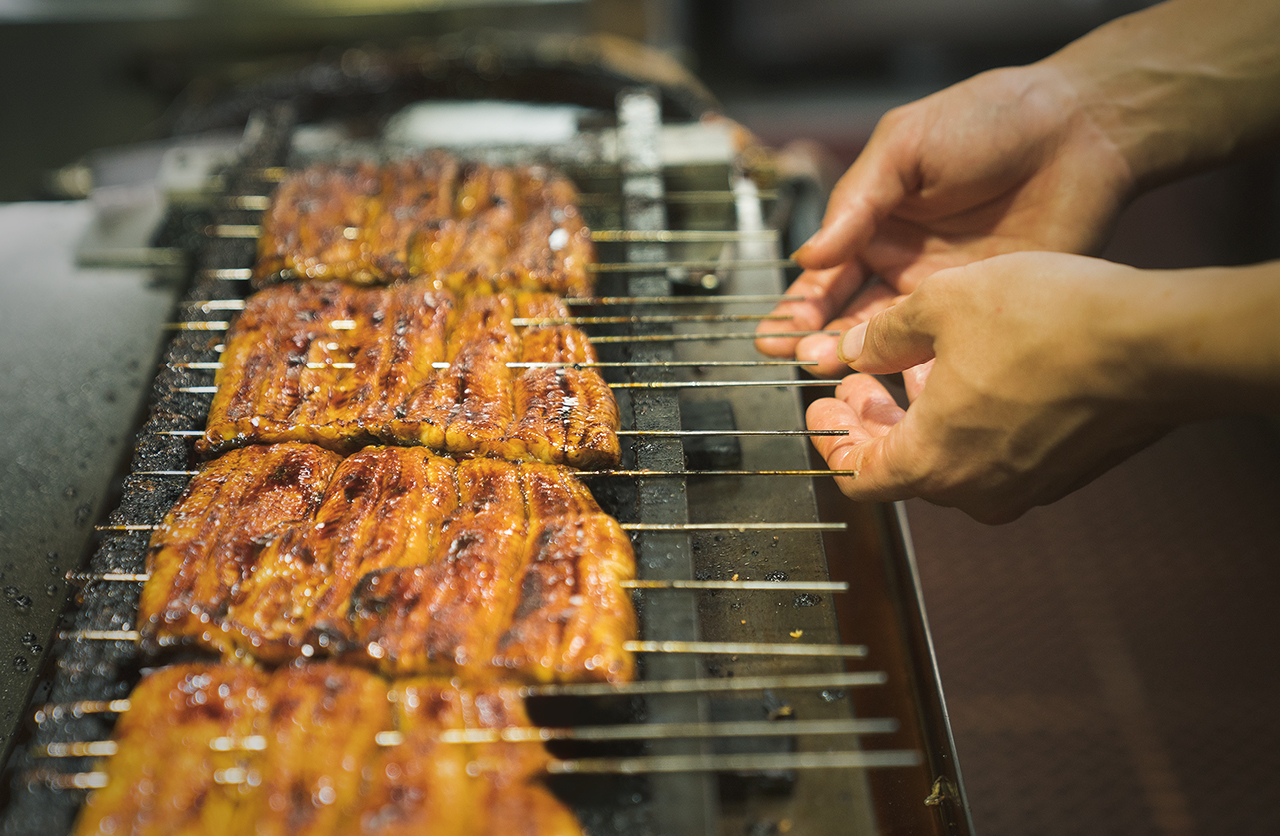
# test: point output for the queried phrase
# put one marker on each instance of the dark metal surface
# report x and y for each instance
(753, 801)
(108, 670)
(688, 805)
(74, 344)
(587, 70)
(825, 801)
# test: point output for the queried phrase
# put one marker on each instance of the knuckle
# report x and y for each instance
(877, 341)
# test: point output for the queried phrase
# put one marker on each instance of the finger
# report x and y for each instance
(903, 253)
(819, 295)
(820, 356)
(891, 341)
(821, 352)
(873, 298)
(872, 187)
(874, 423)
(914, 379)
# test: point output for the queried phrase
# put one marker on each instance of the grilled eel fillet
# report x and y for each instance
(161, 780)
(409, 562)
(319, 770)
(279, 381)
(467, 228)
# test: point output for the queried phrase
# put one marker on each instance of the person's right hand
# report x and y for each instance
(1009, 160)
(1041, 374)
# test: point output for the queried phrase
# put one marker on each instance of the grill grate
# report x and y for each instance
(758, 797)
(107, 670)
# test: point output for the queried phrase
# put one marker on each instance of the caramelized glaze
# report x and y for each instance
(468, 228)
(283, 376)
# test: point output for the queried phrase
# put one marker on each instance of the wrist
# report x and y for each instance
(1201, 343)
(1182, 86)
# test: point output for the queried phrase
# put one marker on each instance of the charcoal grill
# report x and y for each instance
(903, 780)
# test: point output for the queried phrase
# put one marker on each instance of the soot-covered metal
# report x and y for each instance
(742, 800)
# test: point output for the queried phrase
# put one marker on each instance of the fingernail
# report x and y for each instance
(850, 345)
(809, 241)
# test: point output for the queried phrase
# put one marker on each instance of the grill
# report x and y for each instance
(733, 537)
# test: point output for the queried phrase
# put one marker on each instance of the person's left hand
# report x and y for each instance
(1027, 387)
(1010, 160)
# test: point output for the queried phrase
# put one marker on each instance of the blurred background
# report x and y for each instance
(1110, 661)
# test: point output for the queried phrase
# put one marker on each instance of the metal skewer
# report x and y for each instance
(274, 174)
(721, 384)
(533, 322)
(737, 763)
(244, 274)
(653, 236)
(646, 319)
(516, 322)
(85, 749)
(709, 686)
(652, 364)
(69, 781)
(648, 364)
(227, 274)
(542, 734)
(691, 264)
(110, 577)
(632, 364)
(643, 384)
(732, 335)
(260, 203)
(682, 236)
(350, 324)
(722, 526)
(653, 731)
(100, 635)
(528, 322)
(198, 325)
(641, 433)
(246, 202)
(728, 299)
(669, 473)
(859, 759)
(736, 526)
(711, 196)
(582, 474)
(845, 651)
(767, 586)
(233, 230)
(781, 586)
(56, 711)
(714, 433)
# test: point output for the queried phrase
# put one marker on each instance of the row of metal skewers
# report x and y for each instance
(827, 682)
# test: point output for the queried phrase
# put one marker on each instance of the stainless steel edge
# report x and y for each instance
(951, 802)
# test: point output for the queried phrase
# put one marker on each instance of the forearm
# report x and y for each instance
(1204, 342)
(1182, 86)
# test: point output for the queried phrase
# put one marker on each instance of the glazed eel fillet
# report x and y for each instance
(463, 227)
(344, 367)
(395, 558)
(317, 769)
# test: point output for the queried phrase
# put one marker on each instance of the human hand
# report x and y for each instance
(1035, 386)
(1009, 160)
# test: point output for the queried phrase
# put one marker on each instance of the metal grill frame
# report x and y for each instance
(106, 670)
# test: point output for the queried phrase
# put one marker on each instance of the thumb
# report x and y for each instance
(891, 341)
